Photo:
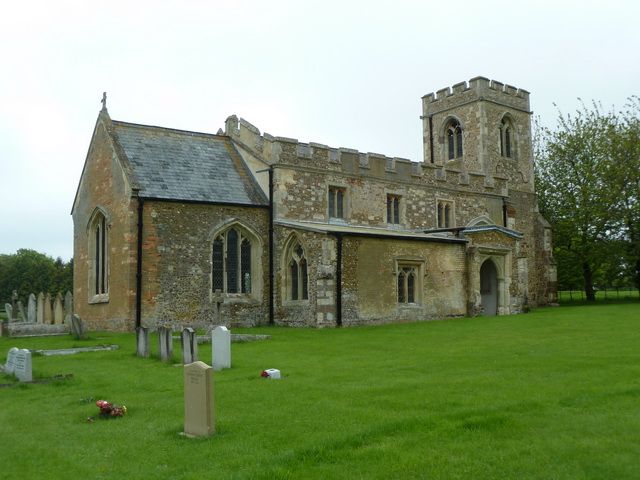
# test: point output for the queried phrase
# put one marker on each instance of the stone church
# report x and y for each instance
(242, 228)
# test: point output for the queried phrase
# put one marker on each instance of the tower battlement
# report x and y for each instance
(476, 89)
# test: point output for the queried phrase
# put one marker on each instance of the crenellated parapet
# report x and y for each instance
(476, 89)
(289, 151)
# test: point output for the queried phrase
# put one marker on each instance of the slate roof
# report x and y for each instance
(181, 165)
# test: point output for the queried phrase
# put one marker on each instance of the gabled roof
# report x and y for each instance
(187, 166)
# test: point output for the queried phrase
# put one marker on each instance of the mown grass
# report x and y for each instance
(552, 394)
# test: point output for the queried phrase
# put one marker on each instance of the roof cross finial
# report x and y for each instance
(104, 102)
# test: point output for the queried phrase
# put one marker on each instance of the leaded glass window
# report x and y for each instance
(231, 262)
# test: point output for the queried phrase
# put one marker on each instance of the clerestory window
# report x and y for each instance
(231, 262)
(453, 133)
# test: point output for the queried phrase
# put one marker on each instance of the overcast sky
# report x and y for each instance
(347, 74)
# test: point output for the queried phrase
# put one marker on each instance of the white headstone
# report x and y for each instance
(23, 366)
(10, 366)
(221, 346)
(31, 309)
(199, 413)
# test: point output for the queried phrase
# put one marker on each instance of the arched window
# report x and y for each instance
(506, 138)
(231, 261)
(297, 281)
(453, 133)
(98, 254)
(407, 283)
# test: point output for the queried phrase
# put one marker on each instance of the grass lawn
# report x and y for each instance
(553, 394)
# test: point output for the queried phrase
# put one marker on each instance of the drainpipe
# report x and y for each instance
(271, 242)
(504, 213)
(431, 136)
(338, 280)
(139, 266)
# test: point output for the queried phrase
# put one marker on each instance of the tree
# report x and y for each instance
(572, 175)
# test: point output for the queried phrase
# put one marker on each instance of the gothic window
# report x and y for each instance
(506, 138)
(408, 283)
(393, 209)
(453, 133)
(336, 202)
(99, 255)
(445, 214)
(231, 262)
(297, 280)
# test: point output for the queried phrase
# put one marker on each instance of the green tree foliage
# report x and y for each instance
(28, 271)
(588, 181)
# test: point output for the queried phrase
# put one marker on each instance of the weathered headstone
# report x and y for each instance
(14, 304)
(58, 312)
(23, 366)
(77, 328)
(9, 310)
(221, 346)
(31, 309)
(10, 366)
(189, 343)
(165, 343)
(48, 313)
(40, 309)
(21, 315)
(68, 307)
(142, 342)
(199, 413)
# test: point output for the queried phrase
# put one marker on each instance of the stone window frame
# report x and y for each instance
(400, 209)
(255, 265)
(289, 255)
(507, 140)
(443, 220)
(98, 256)
(332, 192)
(453, 139)
(403, 265)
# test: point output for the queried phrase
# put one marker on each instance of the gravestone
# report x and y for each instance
(221, 346)
(21, 315)
(77, 328)
(11, 361)
(9, 310)
(189, 343)
(40, 308)
(199, 414)
(68, 307)
(22, 369)
(48, 313)
(58, 312)
(142, 342)
(165, 343)
(31, 308)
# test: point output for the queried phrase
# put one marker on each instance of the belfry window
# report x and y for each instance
(231, 262)
(445, 214)
(506, 138)
(297, 281)
(454, 139)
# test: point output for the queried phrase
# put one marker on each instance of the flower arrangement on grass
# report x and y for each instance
(109, 410)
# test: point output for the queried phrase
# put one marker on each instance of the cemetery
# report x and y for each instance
(549, 394)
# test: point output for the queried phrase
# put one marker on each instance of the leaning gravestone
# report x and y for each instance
(165, 343)
(58, 312)
(9, 309)
(221, 345)
(22, 369)
(48, 313)
(11, 361)
(142, 342)
(199, 413)
(77, 328)
(31, 309)
(189, 346)
(40, 309)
